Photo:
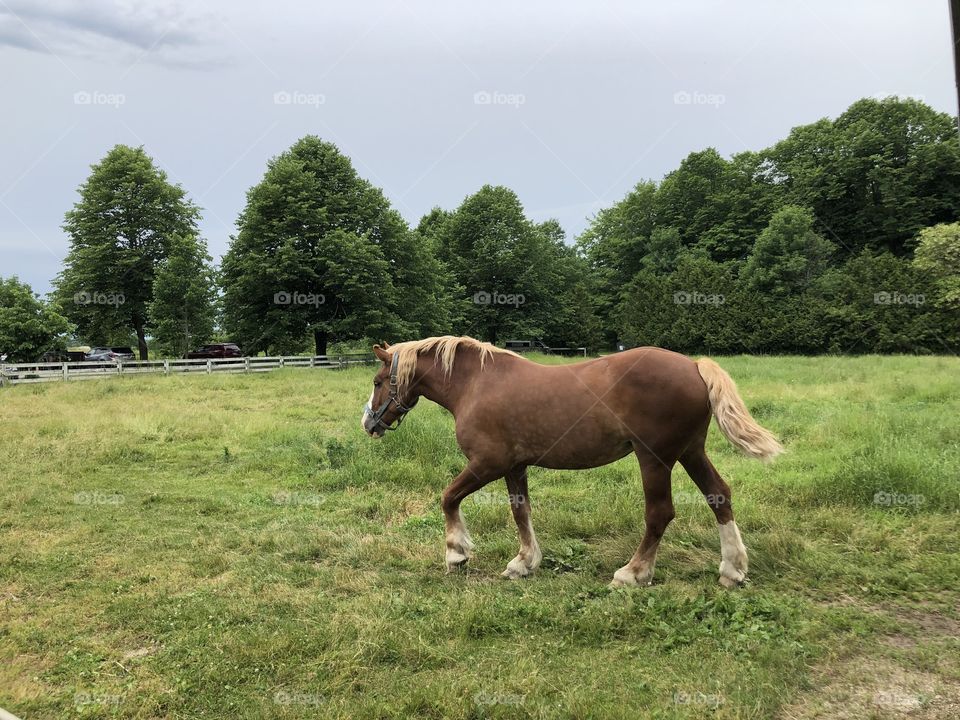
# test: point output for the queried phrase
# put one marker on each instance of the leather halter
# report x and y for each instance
(392, 399)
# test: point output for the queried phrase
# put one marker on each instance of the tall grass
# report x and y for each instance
(235, 546)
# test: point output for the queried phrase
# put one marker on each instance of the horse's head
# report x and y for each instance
(389, 402)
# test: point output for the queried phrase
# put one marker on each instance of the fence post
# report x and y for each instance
(65, 372)
(119, 367)
(313, 361)
(281, 361)
(246, 364)
(166, 367)
(209, 365)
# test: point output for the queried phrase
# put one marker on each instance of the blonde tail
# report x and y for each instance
(735, 421)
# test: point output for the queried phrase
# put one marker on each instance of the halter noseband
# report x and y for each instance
(392, 399)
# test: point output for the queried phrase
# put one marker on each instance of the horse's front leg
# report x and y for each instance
(459, 545)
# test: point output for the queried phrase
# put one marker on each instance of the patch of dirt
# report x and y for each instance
(879, 689)
(873, 686)
(140, 652)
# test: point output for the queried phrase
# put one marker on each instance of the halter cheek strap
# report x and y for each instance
(393, 399)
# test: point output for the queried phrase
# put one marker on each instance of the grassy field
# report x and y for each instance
(236, 547)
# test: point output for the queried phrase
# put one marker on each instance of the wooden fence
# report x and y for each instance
(15, 374)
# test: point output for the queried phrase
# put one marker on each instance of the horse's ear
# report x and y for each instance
(385, 344)
(381, 354)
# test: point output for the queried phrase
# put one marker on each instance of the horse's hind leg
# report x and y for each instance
(659, 512)
(529, 557)
(459, 544)
(733, 555)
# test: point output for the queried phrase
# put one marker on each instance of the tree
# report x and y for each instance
(938, 256)
(688, 199)
(614, 246)
(182, 311)
(120, 231)
(29, 327)
(320, 253)
(878, 302)
(510, 267)
(876, 175)
(788, 255)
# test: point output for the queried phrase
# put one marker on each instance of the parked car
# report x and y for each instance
(109, 354)
(215, 350)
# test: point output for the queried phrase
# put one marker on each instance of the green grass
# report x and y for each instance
(236, 547)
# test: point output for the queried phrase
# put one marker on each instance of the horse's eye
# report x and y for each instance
(376, 383)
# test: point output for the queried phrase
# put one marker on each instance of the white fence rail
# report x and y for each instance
(21, 373)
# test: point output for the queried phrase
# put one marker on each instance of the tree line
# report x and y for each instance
(843, 237)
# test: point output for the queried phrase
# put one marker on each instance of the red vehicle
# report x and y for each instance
(215, 350)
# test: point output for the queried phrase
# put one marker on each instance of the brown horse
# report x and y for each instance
(512, 413)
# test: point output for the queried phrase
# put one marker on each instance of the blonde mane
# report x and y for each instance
(445, 349)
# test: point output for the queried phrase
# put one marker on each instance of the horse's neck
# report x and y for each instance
(451, 391)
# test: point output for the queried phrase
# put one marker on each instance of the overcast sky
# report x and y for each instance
(568, 103)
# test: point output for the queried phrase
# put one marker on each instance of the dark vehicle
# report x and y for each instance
(109, 354)
(54, 356)
(215, 350)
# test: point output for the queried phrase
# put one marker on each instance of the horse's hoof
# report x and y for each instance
(518, 568)
(731, 584)
(624, 578)
(732, 576)
(516, 573)
(456, 561)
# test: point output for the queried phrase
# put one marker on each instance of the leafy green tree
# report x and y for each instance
(876, 175)
(183, 309)
(511, 268)
(692, 309)
(664, 248)
(745, 200)
(877, 302)
(320, 253)
(688, 198)
(788, 254)
(614, 246)
(430, 231)
(120, 231)
(938, 256)
(573, 321)
(769, 225)
(29, 327)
